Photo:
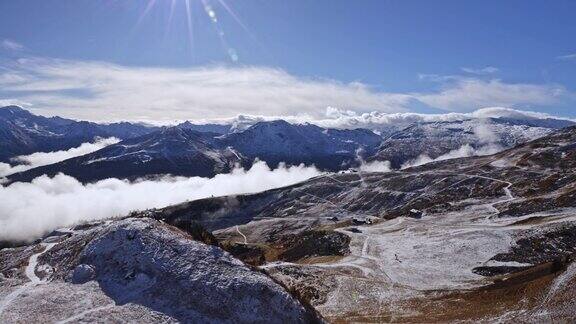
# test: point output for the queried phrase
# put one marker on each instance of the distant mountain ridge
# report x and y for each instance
(171, 150)
(181, 151)
(190, 149)
(207, 128)
(22, 132)
(279, 141)
(434, 139)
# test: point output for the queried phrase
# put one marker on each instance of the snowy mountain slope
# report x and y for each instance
(137, 270)
(472, 239)
(182, 151)
(484, 136)
(271, 141)
(23, 133)
(279, 141)
(171, 150)
(465, 239)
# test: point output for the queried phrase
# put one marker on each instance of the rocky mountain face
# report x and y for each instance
(185, 152)
(471, 137)
(205, 150)
(171, 150)
(279, 141)
(137, 270)
(23, 133)
(483, 238)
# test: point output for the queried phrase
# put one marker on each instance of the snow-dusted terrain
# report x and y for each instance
(459, 238)
(425, 142)
(183, 151)
(23, 133)
(424, 242)
(136, 270)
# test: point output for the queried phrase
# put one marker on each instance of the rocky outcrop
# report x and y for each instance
(145, 268)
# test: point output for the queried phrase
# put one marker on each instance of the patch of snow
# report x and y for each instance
(502, 163)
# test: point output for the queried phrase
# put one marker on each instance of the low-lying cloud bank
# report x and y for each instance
(30, 210)
(340, 118)
(379, 121)
(464, 151)
(44, 158)
(375, 166)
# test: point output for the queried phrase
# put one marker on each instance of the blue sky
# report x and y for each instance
(388, 56)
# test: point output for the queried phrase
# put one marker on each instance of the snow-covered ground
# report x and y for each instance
(404, 259)
(139, 270)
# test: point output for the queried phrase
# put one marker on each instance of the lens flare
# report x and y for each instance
(170, 17)
(211, 13)
(146, 11)
(236, 18)
(230, 51)
(189, 22)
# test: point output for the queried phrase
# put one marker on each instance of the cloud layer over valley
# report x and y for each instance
(29, 210)
(27, 162)
(462, 152)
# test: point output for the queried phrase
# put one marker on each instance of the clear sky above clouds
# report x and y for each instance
(163, 59)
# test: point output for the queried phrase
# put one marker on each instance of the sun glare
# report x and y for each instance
(210, 9)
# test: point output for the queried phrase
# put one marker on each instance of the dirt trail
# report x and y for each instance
(30, 273)
(244, 236)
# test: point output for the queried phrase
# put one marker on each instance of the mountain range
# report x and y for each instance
(22, 132)
(486, 238)
(483, 136)
(189, 149)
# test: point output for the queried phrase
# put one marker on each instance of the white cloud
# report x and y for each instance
(29, 210)
(376, 166)
(91, 90)
(496, 112)
(11, 45)
(44, 158)
(104, 91)
(438, 77)
(567, 57)
(378, 121)
(372, 166)
(471, 94)
(464, 151)
(11, 102)
(485, 134)
(481, 71)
